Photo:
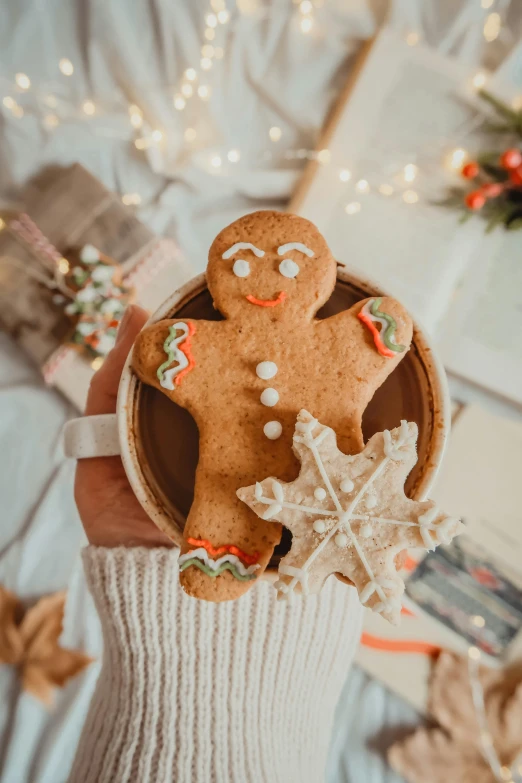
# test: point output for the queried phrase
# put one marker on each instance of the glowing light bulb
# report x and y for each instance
(233, 156)
(478, 621)
(211, 20)
(187, 90)
(362, 186)
(23, 81)
(306, 24)
(410, 196)
(386, 189)
(210, 34)
(306, 7)
(492, 27)
(410, 172)
(204, 92)
(474, 653)
(88, 107)
(345, 175)
(456, 159)
(206, 63)
(223, 16)
(190, 74)
(190, 134)
(66, 66)
(323, 156)
(479, 80)
(136, 120)
(141, 144)
(275, 133)
(9, 102)
(216, 161)
(412, 38)
(157, 135)
(352, 208)
(50, 121)
(131, 199)
(207, 50)
(179, 102)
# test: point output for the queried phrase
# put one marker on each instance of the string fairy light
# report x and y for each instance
(345, 175)
(66, 66)
(410, 197)
(479, 80)
(352, 208)
(362, 186)
(23, 81)
(275, 133)
(385, 189)
(88, 107)
(492, 27)
(410, 172)
(233, 156)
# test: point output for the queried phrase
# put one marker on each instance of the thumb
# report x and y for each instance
(103, 391)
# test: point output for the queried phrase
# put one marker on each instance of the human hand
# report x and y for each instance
(110, 512)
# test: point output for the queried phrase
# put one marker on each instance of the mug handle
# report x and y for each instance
(92, 436)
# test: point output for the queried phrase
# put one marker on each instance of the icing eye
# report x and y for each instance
(241, 268)
(288, 268)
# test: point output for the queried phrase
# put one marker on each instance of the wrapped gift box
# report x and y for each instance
(69, 208)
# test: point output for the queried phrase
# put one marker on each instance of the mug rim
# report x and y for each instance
(130, 383)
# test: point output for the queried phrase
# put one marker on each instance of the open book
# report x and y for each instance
(396, 142)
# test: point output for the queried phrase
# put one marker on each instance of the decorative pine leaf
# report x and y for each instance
(500, 107)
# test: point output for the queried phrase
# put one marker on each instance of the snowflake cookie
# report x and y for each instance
(349, 514)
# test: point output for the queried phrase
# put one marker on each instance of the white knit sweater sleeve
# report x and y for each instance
(195, 692)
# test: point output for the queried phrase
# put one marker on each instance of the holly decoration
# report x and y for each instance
(495, 178)
(98, 303)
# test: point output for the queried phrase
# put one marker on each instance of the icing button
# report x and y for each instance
(346, 485)
(266, 370)
(273, 429)
(270, 397)
(320, 493)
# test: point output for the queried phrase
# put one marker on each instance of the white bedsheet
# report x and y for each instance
(128, 52)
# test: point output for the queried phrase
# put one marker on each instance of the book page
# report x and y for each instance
(482, 336)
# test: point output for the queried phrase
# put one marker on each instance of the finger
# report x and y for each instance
(104, 385)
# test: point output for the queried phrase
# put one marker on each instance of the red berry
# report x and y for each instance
(516, 176)
(511, 159)
(492, 189)
(470, 170)
(475, 200)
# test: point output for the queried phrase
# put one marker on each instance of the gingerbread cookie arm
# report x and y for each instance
(164, 357)
(373, 336)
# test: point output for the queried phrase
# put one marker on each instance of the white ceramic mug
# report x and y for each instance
(113, 434)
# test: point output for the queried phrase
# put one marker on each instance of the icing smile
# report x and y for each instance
(267, 302)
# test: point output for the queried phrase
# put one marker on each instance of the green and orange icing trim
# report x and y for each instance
(231, 558)
(370, 315)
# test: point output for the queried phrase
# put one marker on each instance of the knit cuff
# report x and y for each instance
(194, 691)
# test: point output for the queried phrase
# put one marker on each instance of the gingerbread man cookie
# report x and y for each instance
(244, 380)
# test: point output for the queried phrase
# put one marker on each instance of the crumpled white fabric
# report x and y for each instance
(135, 52)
